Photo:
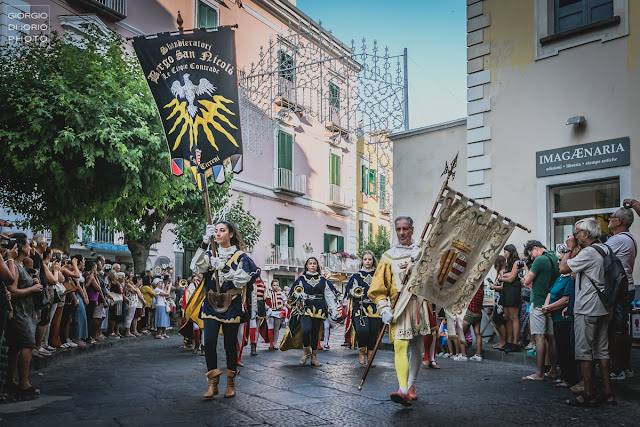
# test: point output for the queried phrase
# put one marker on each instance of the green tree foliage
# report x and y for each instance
(378, 245)
(78, 128)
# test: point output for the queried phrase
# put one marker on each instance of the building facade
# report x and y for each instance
(551, 134)
(300, 157)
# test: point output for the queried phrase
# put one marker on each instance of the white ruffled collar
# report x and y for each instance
(367, 270)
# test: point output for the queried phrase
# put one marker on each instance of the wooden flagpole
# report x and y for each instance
(450, 171)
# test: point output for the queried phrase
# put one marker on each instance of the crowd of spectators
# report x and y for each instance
(51, 302)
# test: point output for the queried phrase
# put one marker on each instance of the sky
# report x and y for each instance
(434, 33)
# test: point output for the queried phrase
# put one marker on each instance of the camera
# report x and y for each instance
(10, 244)
(57, 257)
(521, 272)
(33, 272)
(520, 264)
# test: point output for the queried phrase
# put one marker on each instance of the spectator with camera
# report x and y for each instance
(541, 275)
(21, 328)
(625, 247)
(591, 318)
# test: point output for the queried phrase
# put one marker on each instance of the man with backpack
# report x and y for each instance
(624, 246)
(591, 316)
(541, 275)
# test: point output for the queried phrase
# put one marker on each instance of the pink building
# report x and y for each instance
(298, 117)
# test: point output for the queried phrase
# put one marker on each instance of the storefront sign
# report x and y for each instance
(584, 157)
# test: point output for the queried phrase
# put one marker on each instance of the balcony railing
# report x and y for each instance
(336, 123)
(339, 198)
(114, 10)
(286, 89)
(339, 264)
(286, 257)
(286, 181)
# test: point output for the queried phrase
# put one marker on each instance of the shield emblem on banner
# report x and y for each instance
(452, 264)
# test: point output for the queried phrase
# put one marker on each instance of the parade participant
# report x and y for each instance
(364, 325)
(311, 299)
(223, 309)
(258, 314)
(274, 302)
(407, 321)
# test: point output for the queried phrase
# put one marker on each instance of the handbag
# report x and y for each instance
(115, 298)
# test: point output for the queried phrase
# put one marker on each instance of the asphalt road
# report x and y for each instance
(153, 382)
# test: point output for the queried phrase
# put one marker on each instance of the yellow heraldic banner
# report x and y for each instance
(458, 252)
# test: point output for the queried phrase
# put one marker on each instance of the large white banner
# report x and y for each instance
(458, 252)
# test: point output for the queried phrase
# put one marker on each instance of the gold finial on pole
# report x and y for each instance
(180, 21)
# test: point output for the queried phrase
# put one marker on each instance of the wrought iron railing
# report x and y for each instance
(338, 196)
(115, 10)
(284, 256)
(286, 180)
(340, 264)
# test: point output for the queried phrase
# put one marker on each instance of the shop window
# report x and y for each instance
(573, 202)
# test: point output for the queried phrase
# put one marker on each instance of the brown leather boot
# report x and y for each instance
(362, 355)
(369, 354)
(213, 378)
(254, 349)
(314, 358)
(305, 355)
(231, 384)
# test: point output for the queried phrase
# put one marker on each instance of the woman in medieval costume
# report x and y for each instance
(365, 323)
(223, 309)
(311, 300)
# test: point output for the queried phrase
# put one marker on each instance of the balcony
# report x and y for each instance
(113, 10)
(100, 236)
(338, 264)
(338, 198)
(288, 182)
(283, 257)
(335, 122)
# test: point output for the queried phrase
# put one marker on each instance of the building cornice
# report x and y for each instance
(428, 129)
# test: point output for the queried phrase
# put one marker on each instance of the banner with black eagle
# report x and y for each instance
(458, 253)
(193, 80)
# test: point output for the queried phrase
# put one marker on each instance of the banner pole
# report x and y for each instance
(214, 245)
(450, 172)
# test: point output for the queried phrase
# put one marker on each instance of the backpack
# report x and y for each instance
(615, 279)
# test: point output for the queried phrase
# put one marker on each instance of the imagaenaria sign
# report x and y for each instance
(584, 157)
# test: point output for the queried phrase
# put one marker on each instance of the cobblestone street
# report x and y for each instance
(148, 382)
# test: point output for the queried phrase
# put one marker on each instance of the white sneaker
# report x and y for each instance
(49, 348)
(476, 358)
(629, 373)
(621, 376)
(461, 358)
(71, 344)
(65, 345)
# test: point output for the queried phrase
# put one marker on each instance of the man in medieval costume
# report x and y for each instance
(411, 318)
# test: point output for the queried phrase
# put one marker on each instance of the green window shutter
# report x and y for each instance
(334, 169)
(360, 233)
(370, 233)
(372, 182)
(285, 150)
(363, 179)
(340, 244)
(207, 16)
(383, 192)
(327, 243)
(277, 235)
(291, 240)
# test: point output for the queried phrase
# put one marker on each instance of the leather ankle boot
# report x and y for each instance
(362, 355)
(213, 378)
(314, 358)
(231, 384)
(254, 349)
(369, 354)
(305, 355)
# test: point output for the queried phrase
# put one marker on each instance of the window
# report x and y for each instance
(334, 96)
(334, 169)
(207, 16)
(373, 184)
(383, 192)
(333, 243)
(365, 232)
(383, 231)
(285, 65)
(573, 202)
(364, 179)
(284, 236)
(572, 14)
(285, 151)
